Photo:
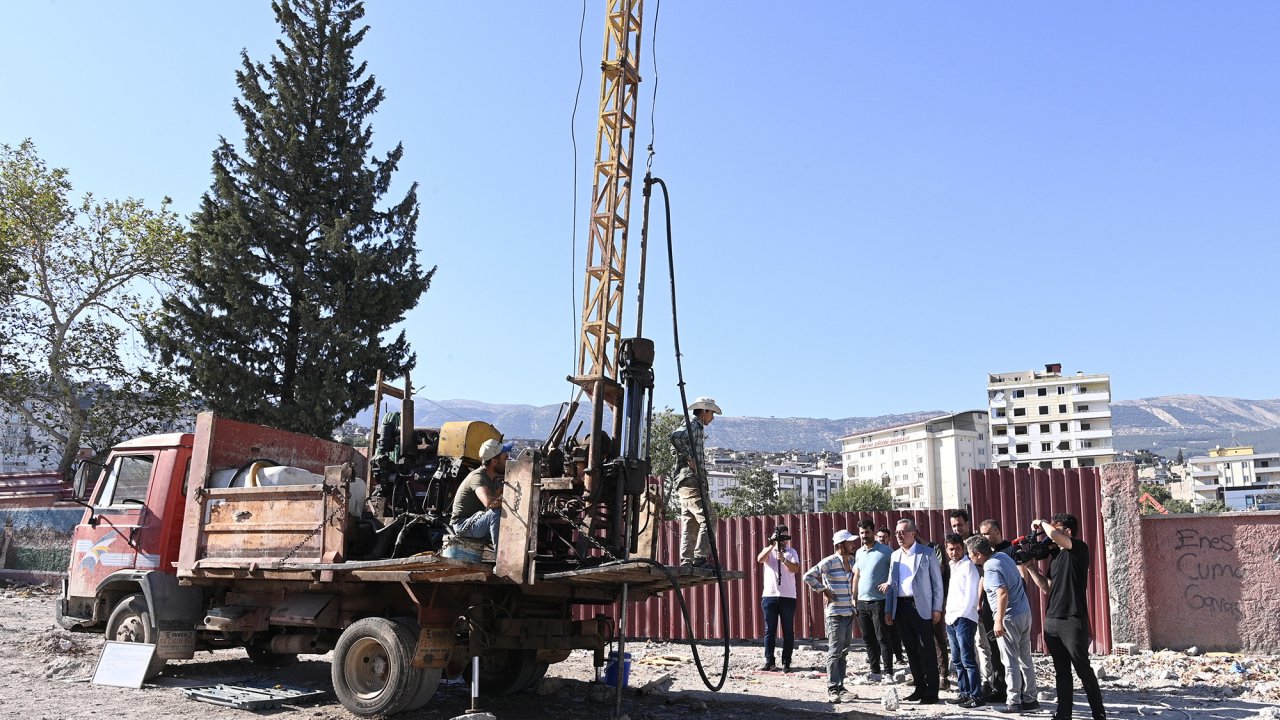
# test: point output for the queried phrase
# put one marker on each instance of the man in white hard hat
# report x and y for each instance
(833, 577)
(696, 516)
(477, 505)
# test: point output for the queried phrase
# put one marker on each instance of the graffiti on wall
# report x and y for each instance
(1203, 562)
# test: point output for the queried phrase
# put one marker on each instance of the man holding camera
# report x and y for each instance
(778, 599)
(1066, 621)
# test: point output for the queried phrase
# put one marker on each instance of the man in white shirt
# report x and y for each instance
(962, 622)
(778, 598)
(913, 603)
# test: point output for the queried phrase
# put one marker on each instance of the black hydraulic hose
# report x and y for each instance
(700, 471)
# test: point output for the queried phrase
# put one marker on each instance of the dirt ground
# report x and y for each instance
(44, 673)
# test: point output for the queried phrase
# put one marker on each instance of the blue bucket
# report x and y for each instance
(611, 669)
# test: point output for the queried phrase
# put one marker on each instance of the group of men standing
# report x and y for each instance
(978, 598)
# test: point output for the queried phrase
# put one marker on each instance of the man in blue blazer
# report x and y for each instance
(913, 603)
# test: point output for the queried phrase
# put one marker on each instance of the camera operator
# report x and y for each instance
(778, 599)
(1066, 622)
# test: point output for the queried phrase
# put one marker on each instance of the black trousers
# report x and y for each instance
(917, 641)
(1068, 641)
(875, 634)
(987, 621)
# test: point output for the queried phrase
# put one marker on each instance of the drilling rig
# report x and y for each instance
(576, 500)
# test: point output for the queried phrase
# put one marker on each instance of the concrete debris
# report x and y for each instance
(662, 683)
(900, 676)
(890, 701)
(476, 716)
(1270, 713)
(1255, 678)
(1193, 651)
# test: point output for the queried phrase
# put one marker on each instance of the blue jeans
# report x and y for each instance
(483, 524)
(776, 608)
(964, 658)
(839, 636)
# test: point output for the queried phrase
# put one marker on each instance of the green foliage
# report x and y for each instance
(860, 497)
(1173, 506)
(1212, 506)
(756, 493)
(296, 274)
(1178, 460)
(69, 360)
(662, 456)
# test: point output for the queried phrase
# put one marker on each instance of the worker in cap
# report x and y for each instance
(477, 505)
(833, 577)
(696, 514)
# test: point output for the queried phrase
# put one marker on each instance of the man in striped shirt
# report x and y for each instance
(832, 577)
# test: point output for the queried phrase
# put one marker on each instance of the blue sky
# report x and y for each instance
(874, 205)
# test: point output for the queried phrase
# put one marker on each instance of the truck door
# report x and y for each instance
(108, 540)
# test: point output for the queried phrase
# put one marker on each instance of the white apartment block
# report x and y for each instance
(924, 464)
(1047, 420)
(1238, 476)
(812, 486)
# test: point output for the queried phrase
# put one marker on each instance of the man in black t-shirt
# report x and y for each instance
(1066, 621)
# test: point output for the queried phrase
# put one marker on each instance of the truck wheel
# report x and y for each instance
(509, 671)
(372, 671)
(430, 676)
(130, 621)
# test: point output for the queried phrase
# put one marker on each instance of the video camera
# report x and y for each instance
(1031, 547)
(779, 533)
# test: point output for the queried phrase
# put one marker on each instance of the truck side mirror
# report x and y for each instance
(83, 477)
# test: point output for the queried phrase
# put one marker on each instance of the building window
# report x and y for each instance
(980, 437)
(1019, 393)
(1042, 391)
(1002, 450)
(1082, 408)
(1021, 449)
(1044, 409)
(1000, 412)
(1019, 412)
(1002, 431)
(1044, 428)
(1062, 409)
(1046, 447)
(1062, 390)
(1064, 445)
(1064, 427)
(1066, 464)
(1046, 465)
(1085, 426)
(1020, 430)
(1086, 462)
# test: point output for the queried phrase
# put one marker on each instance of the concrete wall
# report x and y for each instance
(1213, 581)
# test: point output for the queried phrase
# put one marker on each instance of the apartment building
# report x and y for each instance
(1238, 476)
(1048, 420)
(812, 486)
(924, 464)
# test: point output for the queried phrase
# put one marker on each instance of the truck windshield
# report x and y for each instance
(127, 479)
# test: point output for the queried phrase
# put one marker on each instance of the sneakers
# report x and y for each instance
(973, 702)
(1029, 706)
(834, 695)
(958, 700)
(874, 677)
(1011, 708)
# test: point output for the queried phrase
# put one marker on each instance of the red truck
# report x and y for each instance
(180, 548)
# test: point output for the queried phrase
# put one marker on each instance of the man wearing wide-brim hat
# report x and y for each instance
(696, 514)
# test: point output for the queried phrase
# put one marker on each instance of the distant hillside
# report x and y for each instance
(740, 433)
(1194, 423)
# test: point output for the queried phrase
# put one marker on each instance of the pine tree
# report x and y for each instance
(296, 274)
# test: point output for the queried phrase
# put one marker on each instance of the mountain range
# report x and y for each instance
(1162, 425)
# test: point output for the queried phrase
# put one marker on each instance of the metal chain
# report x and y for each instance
(587, 534)
(341, 505)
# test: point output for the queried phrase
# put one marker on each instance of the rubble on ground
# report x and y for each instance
(1248, 677)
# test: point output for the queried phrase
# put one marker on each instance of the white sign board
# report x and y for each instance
(123, 664)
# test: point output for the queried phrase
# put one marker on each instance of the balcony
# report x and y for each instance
(1090, 414)
(1204, 473)
(1092, 434)
(1091, 396)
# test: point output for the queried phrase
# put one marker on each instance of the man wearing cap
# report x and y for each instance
(778, 599)
(477, 505)
(833, 577)
(696, 515)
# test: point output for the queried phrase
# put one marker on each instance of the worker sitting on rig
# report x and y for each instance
(477, 504)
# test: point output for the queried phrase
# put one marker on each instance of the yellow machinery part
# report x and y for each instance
(464, 438)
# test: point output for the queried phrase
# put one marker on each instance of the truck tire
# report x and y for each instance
(130, 621)
(372, 667)
(509, 671)
(430, 676)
